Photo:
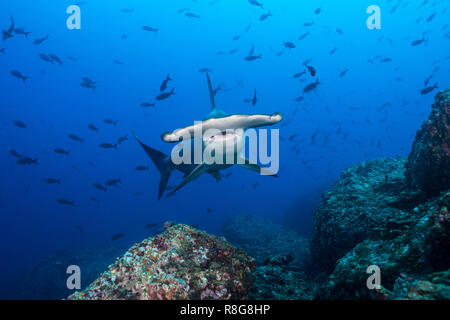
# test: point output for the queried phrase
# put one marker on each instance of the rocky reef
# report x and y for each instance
(181, 263)
(428, 166)
(392, 213)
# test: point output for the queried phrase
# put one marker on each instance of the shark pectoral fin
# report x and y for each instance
(247, 164)
(201, 168)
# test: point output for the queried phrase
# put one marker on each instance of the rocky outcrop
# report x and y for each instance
(370, 201)
(392, 213)
(181, 263)
(428, 164)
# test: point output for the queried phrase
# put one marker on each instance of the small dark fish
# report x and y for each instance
(127, 10)
(252, 58)
(40, 40)
(430, 18)
(311, 70)
(236, 38)
(109, 121)
(88, 85)
(14, 153)
(427, 80)
(72, 58)
(182, 10)
(79, 228)
(418, 42)
(106, 145)
(56, 59)
(289, 45)
(17, 74)
(256, 3)
(122, 139)
(65, 202)
(151, 225)
(21, 31)
(386, 60)
(192, 15)
(93, 127)
(308, 24)
(303, 36)
(52, 181)
(428, 89)
(265, 16)
(88, 80)
(45, 58)
(333, 51)
(3, 50)
(117, 62)
(19, 124)
(311, 86)
(26, 160)
(150, 29)
(99, 187)
(75, 138)
(124, 37)
(339, 31)
(112, 182)
(118, 236)
(165, 95)
(299, 99)
(318, 11)
(9, 32)
(298, 75)
(141, 168)
(163, 86)
(61, 151)
(343, 73)
(147, 104)
(209, 210)
(203, 70)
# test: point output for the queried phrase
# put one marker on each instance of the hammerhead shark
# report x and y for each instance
(231, 129)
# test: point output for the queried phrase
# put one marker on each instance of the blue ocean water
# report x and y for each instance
(373, 110)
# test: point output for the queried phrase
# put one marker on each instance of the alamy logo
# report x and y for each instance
(374, 281)
(374, 21)
(226, 147)
(74, 21)
(74, 280)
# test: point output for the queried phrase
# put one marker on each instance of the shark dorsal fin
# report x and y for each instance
(211, 92)
(215, 113)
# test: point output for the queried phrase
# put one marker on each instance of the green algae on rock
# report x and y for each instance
(181, 263)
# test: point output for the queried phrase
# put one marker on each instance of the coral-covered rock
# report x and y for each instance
(419, 249)
(371, 200)
(279, 283)
(181, 263)
(263, 239)
(435, 287)
(428, 165)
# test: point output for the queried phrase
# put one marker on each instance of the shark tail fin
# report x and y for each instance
(211, 92)
(162, 164)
